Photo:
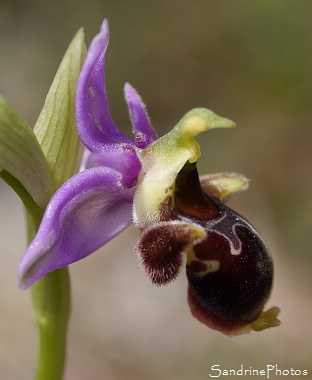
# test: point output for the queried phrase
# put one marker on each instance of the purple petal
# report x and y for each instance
(84, 214)
(142, 129)
(94, 122)
(126, 163)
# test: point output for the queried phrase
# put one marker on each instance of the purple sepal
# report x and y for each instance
(123, 162)
(90, 209)
(94, 122)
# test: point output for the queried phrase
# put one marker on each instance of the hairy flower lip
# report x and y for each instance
(162, 246)
(261, 321)
(229, 267)
(233, 282)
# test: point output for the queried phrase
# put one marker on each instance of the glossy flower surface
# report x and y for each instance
(154, 183)
(228, 266)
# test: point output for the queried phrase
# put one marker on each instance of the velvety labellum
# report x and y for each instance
(230, 271)
(161, 248)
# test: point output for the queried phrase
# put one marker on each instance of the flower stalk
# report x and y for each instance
(51, 307)
(51, 302)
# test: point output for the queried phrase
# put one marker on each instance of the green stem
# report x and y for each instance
(51, 301)
(50, 295)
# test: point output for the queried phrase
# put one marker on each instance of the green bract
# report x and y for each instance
(56, 126)
(22, 161)
(35, 163)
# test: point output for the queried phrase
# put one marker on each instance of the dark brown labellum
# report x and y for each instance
(230, 272)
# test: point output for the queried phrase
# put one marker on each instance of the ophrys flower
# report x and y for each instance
(155, 182)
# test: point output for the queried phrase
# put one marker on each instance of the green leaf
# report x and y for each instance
(22, 162)
(56, 126)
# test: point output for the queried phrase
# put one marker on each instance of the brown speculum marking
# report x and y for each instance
(229, 268)
(234, 294)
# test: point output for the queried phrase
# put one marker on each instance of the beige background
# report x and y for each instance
(249, 61)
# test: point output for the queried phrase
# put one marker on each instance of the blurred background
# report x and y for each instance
(248, 61)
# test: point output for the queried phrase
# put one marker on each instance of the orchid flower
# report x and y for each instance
(154, 183)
